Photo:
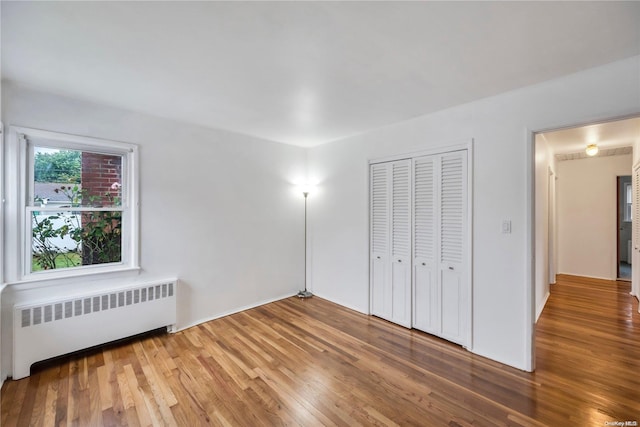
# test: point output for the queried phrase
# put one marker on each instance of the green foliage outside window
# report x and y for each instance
(97, 235)
(59, 166)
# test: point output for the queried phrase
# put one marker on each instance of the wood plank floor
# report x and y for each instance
(311, 362)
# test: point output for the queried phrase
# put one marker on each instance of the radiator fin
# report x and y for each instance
(68, 309)
(26, 317)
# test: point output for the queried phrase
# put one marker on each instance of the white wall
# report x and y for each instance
(501, 127)
(218, 209)
(587, 215)
(544, 162)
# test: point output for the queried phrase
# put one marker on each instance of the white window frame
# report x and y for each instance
(628, 202)
(20, 201)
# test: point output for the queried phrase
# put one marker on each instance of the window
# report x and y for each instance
(628, 203)
(78, 205)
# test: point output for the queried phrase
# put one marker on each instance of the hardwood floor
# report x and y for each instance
(311, 362)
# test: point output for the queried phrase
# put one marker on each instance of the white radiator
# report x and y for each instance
(57, 327)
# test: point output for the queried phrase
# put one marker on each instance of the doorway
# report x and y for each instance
(574, 209)
(624, 227)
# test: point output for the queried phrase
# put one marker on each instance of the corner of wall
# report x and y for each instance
(541, 306)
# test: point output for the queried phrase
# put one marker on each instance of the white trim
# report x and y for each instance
(530, 268)
(610, 279)
(2, 377)
(2, 200)
(470, 147)
(457, 146)
(21, 141)
(54, 139)
(79, 277)
(635, 286)
(67, 208)
(233, 311)
(343, 304)
(368, 241)
(80, 272)
(542, 306)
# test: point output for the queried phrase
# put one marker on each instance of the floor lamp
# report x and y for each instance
(305, 293)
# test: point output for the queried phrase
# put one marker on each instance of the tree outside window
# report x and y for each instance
(76, 218)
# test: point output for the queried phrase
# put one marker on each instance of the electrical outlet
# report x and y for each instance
(506, 226)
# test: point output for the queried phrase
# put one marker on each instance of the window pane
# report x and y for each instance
(69, 239)
(76, 178)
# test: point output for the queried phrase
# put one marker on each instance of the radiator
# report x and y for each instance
(53, 328)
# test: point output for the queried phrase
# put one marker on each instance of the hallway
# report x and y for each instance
(589, 335)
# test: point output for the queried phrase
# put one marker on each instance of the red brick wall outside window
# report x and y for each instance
(99, 174)
(101, 186)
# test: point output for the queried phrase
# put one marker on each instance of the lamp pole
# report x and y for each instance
(305, 293)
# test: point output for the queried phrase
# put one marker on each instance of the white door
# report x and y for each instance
(391, 241)
(426, 296)
(441, 287)
(401, 242)
(635, 227)
(380, 235)
(452, 265)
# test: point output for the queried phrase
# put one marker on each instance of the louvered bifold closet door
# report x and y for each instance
(452, 235)
(636, 209)
(635, 228)
(426, 292)
(380, 192)
(401, 242)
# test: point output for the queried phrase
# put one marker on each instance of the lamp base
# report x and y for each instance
(304, 294)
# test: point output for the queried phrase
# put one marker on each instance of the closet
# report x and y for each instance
(419, 243)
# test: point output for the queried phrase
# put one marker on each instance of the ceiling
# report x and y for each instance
(304, 73)
(611, 137)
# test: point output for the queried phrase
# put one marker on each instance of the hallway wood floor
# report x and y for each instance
(311, 362)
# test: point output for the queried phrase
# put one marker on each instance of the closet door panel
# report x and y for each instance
(426, 291)
(452, 228)
(401, 241)
(380, 235)
(401, 294)
(451, 310)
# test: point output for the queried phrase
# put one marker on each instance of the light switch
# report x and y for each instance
(506, 226)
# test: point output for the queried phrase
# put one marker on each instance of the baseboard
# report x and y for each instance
(349, 306)
(496, 358)
(233, 311)
(541, 306)
(586, 277)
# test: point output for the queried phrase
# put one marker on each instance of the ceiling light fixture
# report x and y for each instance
(592, 150)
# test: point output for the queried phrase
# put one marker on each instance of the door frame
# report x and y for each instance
(618, 226)
(530, 206)
(552, 238)
(620, 223)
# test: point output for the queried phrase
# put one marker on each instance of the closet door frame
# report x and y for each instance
(459, 145)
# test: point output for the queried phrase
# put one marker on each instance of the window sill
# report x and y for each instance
(75, 277)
